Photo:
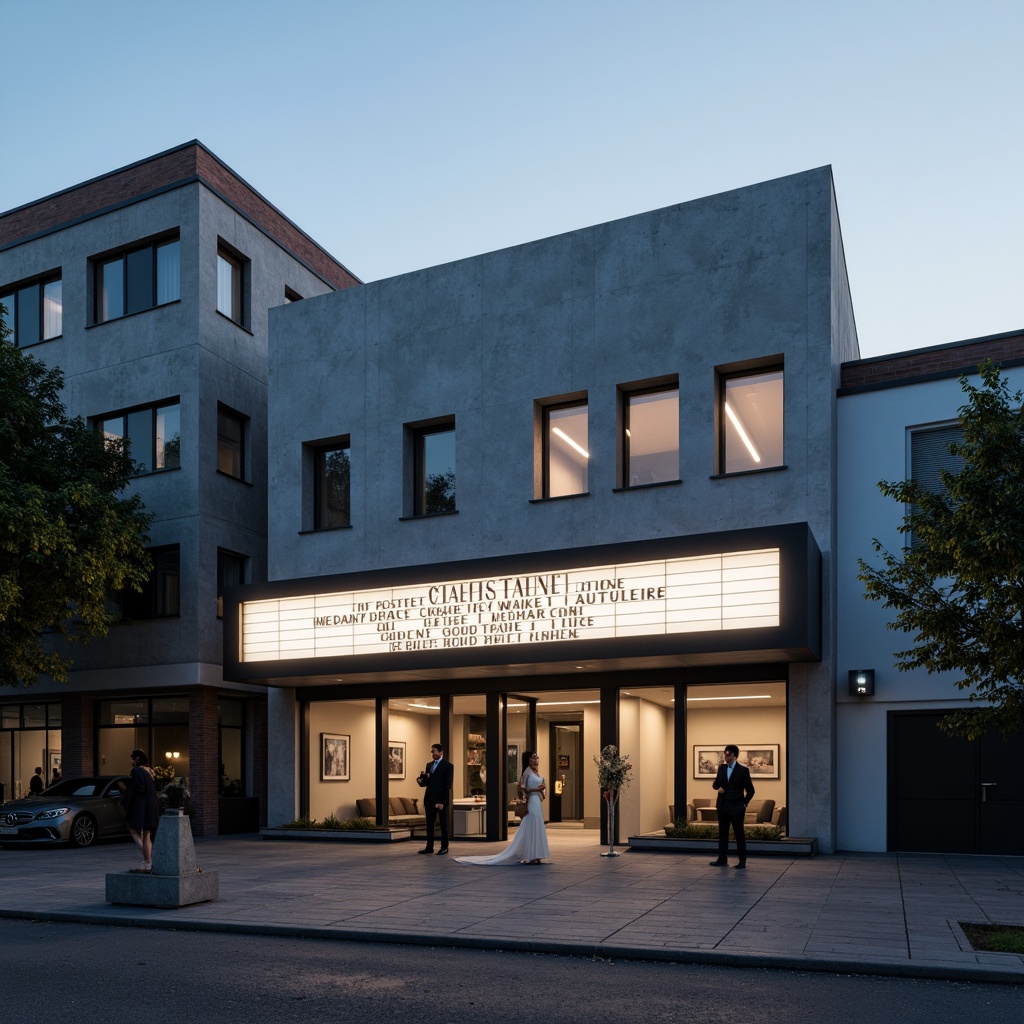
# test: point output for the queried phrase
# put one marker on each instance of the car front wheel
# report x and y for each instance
(83, 830)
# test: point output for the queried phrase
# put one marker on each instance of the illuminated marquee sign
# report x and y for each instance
(735, 590)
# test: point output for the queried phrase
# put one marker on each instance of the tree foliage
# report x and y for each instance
(66, 536)
(958, 588)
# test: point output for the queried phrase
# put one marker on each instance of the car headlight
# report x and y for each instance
(53, 812)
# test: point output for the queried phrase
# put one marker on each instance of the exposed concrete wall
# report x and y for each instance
(741, 276)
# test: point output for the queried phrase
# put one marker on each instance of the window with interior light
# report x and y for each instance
(565, 447)
(35, 309)
(650, 434)
(750, 419)
(137, 278)
(232, 270)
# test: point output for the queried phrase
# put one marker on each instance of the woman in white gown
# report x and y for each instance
(530, 844)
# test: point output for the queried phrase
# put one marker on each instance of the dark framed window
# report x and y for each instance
(650, 435)
(230, 573)
(231, 429)
(750, 419)
(929, 456)
(136, 279)
(231, 721)
(232, 268)
(434, 468)
(151, 432)
(35, 310)
(161, 594)
(565, 448)
(291, 295)
(332, 485)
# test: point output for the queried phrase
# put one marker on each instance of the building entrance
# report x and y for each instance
(565, 772)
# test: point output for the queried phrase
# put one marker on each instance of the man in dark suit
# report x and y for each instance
(437, 779)
(734, 793)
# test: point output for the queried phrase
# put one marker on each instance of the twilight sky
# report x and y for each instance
(406, 133)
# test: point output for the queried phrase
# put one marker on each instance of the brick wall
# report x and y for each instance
(78, 755)
(204, 763)
(943, 360)
(175, 168)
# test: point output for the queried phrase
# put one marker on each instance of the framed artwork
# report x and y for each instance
(563, 760)
(761, 760)
(512, 756)
(334, 757)
(396, 759)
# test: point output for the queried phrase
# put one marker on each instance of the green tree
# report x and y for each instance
(958, 585)
(66, 536)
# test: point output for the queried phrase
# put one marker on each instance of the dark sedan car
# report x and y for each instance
(75, 811)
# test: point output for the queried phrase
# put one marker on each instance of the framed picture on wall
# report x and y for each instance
(396, 759)
(334, 757)
(762, 760)
(706, 761)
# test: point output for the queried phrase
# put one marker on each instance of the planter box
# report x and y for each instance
(788, 847)
(392, 835)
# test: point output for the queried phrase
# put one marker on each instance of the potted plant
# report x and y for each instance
(613, 772)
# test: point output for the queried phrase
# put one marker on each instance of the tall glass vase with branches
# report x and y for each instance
(613, 774)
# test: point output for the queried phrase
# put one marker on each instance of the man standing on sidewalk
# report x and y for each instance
(437, 779)
(735, 791)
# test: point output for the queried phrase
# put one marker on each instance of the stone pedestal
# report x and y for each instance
(175, 880)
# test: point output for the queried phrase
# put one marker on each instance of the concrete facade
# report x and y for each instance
(182, 350)
(688, 291)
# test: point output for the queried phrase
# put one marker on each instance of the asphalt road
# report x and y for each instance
(96, 973)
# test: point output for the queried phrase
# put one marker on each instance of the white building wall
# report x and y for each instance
(873, 445)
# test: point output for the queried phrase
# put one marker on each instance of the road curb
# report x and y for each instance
(601, 951)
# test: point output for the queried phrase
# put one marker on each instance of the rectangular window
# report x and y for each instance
(434, 469)
(750, 420)
(230, 442)
(332, 469)
(230, 573)
(161, 594)
(650, 436)
(930, 455)
(152, 434)
(138, 278)
(566, 449)
(35, 310)
(231, 271)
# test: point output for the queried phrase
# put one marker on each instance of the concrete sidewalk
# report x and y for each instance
(892, 914)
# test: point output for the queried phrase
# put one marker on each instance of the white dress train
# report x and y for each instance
(531, 840)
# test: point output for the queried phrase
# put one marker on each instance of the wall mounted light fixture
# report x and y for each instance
(862, 682)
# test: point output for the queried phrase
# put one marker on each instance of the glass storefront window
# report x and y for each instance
(10, 716)
(35, 716)
(124, 712)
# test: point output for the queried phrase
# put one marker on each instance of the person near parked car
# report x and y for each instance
(142, 812)
(36, 786)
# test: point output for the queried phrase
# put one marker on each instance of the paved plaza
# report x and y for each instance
(856, 913)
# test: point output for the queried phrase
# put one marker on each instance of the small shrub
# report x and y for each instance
(332, 824)
(682, 830)
(301, 823)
